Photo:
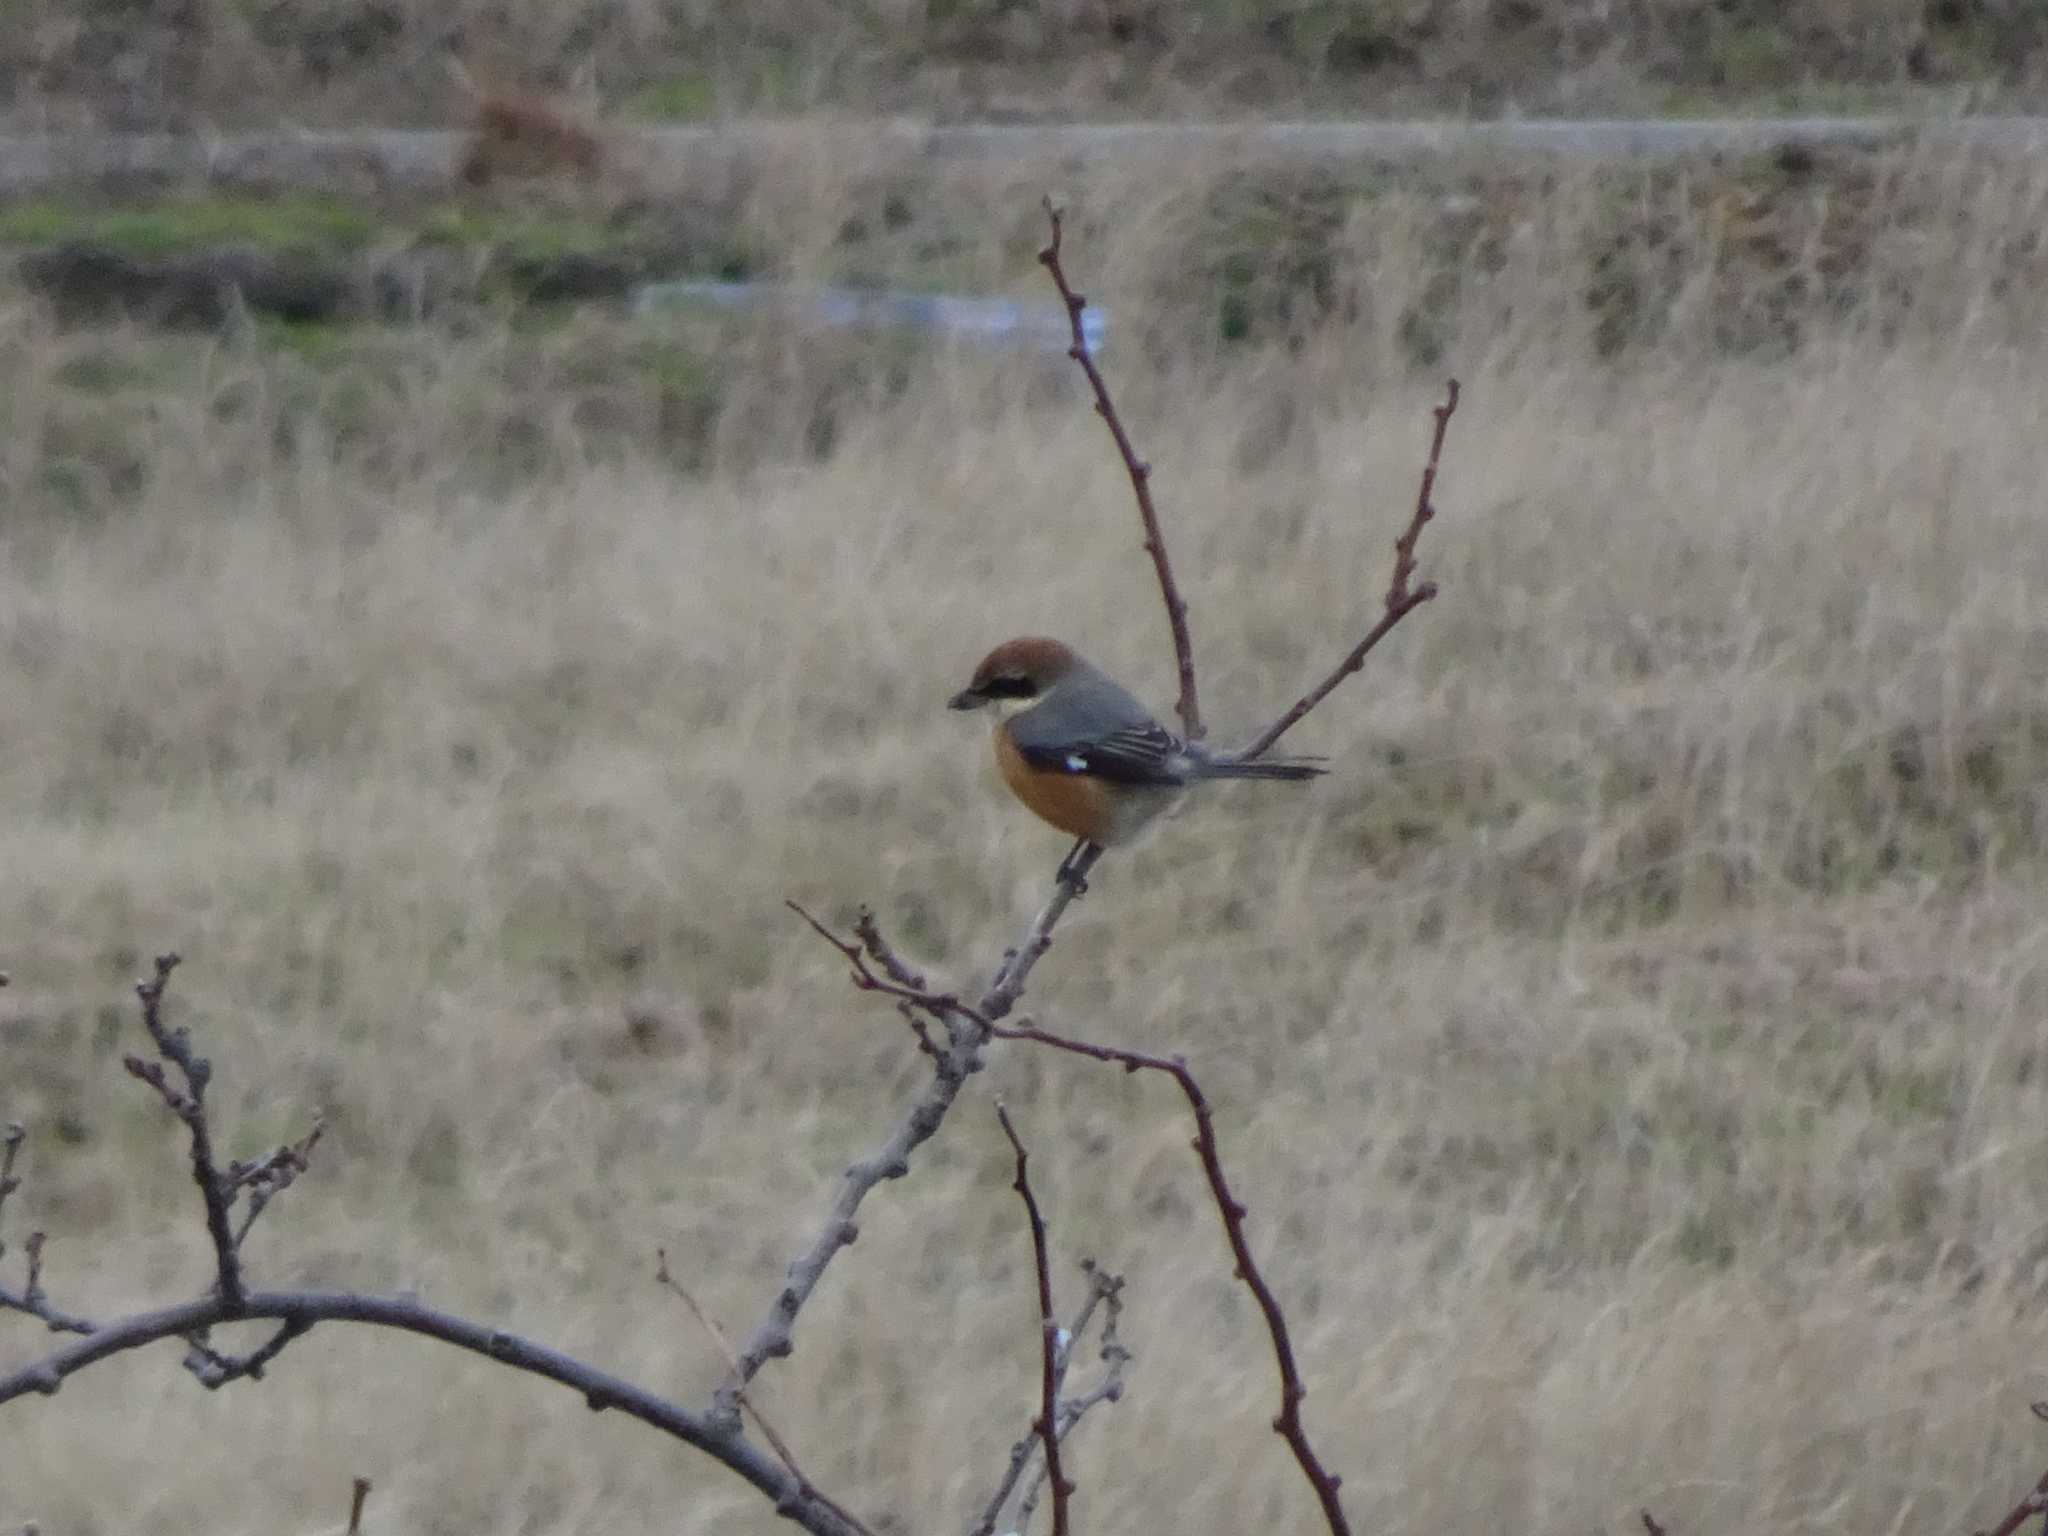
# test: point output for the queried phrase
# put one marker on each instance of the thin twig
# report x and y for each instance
(10, 1148)
(869, 931)
(1189, 706)
(1104, 1290)
(1047, 1424)
(1650, 1525)
(1109, 1389)
(2035, 1502)
(358, 1496)
(189, 1105)
(1402, 597)
(31, 1299)
(214, 1370)
(1287, 1424)
(776, 1443)
(271, 1175)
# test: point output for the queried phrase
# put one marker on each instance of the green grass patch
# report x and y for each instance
(183, 224)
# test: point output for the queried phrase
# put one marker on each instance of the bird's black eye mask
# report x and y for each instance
(1009, 687)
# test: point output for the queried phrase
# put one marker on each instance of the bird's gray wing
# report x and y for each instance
(1099, 730)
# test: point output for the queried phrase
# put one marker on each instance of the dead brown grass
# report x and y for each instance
(1631, 1053)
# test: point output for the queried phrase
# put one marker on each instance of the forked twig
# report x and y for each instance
(1047, 1423)
(1401, 600)
(295, 1312)
(189, 1105)
(1105, 1291)
(1189, 705)
(1287, 1424)
(31, 1298)
(1116, 1359)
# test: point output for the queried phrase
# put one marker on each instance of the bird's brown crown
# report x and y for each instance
(1016, 670)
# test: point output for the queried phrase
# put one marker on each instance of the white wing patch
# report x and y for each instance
(1076, 763)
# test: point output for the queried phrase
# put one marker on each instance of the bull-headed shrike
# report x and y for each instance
(1082, 753)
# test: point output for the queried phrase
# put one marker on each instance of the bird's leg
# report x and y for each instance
(1073, 870)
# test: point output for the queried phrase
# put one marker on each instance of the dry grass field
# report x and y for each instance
(200, 64)
(1632, 1052)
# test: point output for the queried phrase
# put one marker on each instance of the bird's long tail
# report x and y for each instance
(1261, 768)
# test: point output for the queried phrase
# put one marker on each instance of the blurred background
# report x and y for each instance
(457, 584)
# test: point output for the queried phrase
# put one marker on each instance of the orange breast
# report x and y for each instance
(1073, 802)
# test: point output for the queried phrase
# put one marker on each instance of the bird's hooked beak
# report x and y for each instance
(967, 698)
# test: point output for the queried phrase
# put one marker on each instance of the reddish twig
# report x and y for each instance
(773, 1436)
(2035, 1503)
(1116, 1359)
(1402, 598)
(1189, 706)
(1047, 1423)
(1287, 1424)
(1105, 1290)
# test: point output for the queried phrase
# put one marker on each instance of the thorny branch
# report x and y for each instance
(1047, 1424)
(1189, 706)
(1402, 598)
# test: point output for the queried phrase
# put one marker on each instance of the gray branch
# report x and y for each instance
(297, 1311)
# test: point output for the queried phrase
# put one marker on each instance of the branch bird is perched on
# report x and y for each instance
(1082, 753)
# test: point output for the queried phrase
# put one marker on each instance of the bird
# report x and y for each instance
(1082, 753)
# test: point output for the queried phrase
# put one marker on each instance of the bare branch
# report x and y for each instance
(271, 1175)
(1287, 1424)
(359, 1495)
(1402, 598)
(1047, 1423)
(10, 1148)
(189, 1105)
(869, 931)
(768, 1431)
(302, 1309)
(1189, 706)
(1104, 1290)
(2035, 1502)
(214, 1370)
(31, 1298)
(1109, 1389)
(1650, 1525)
(967, 1032)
